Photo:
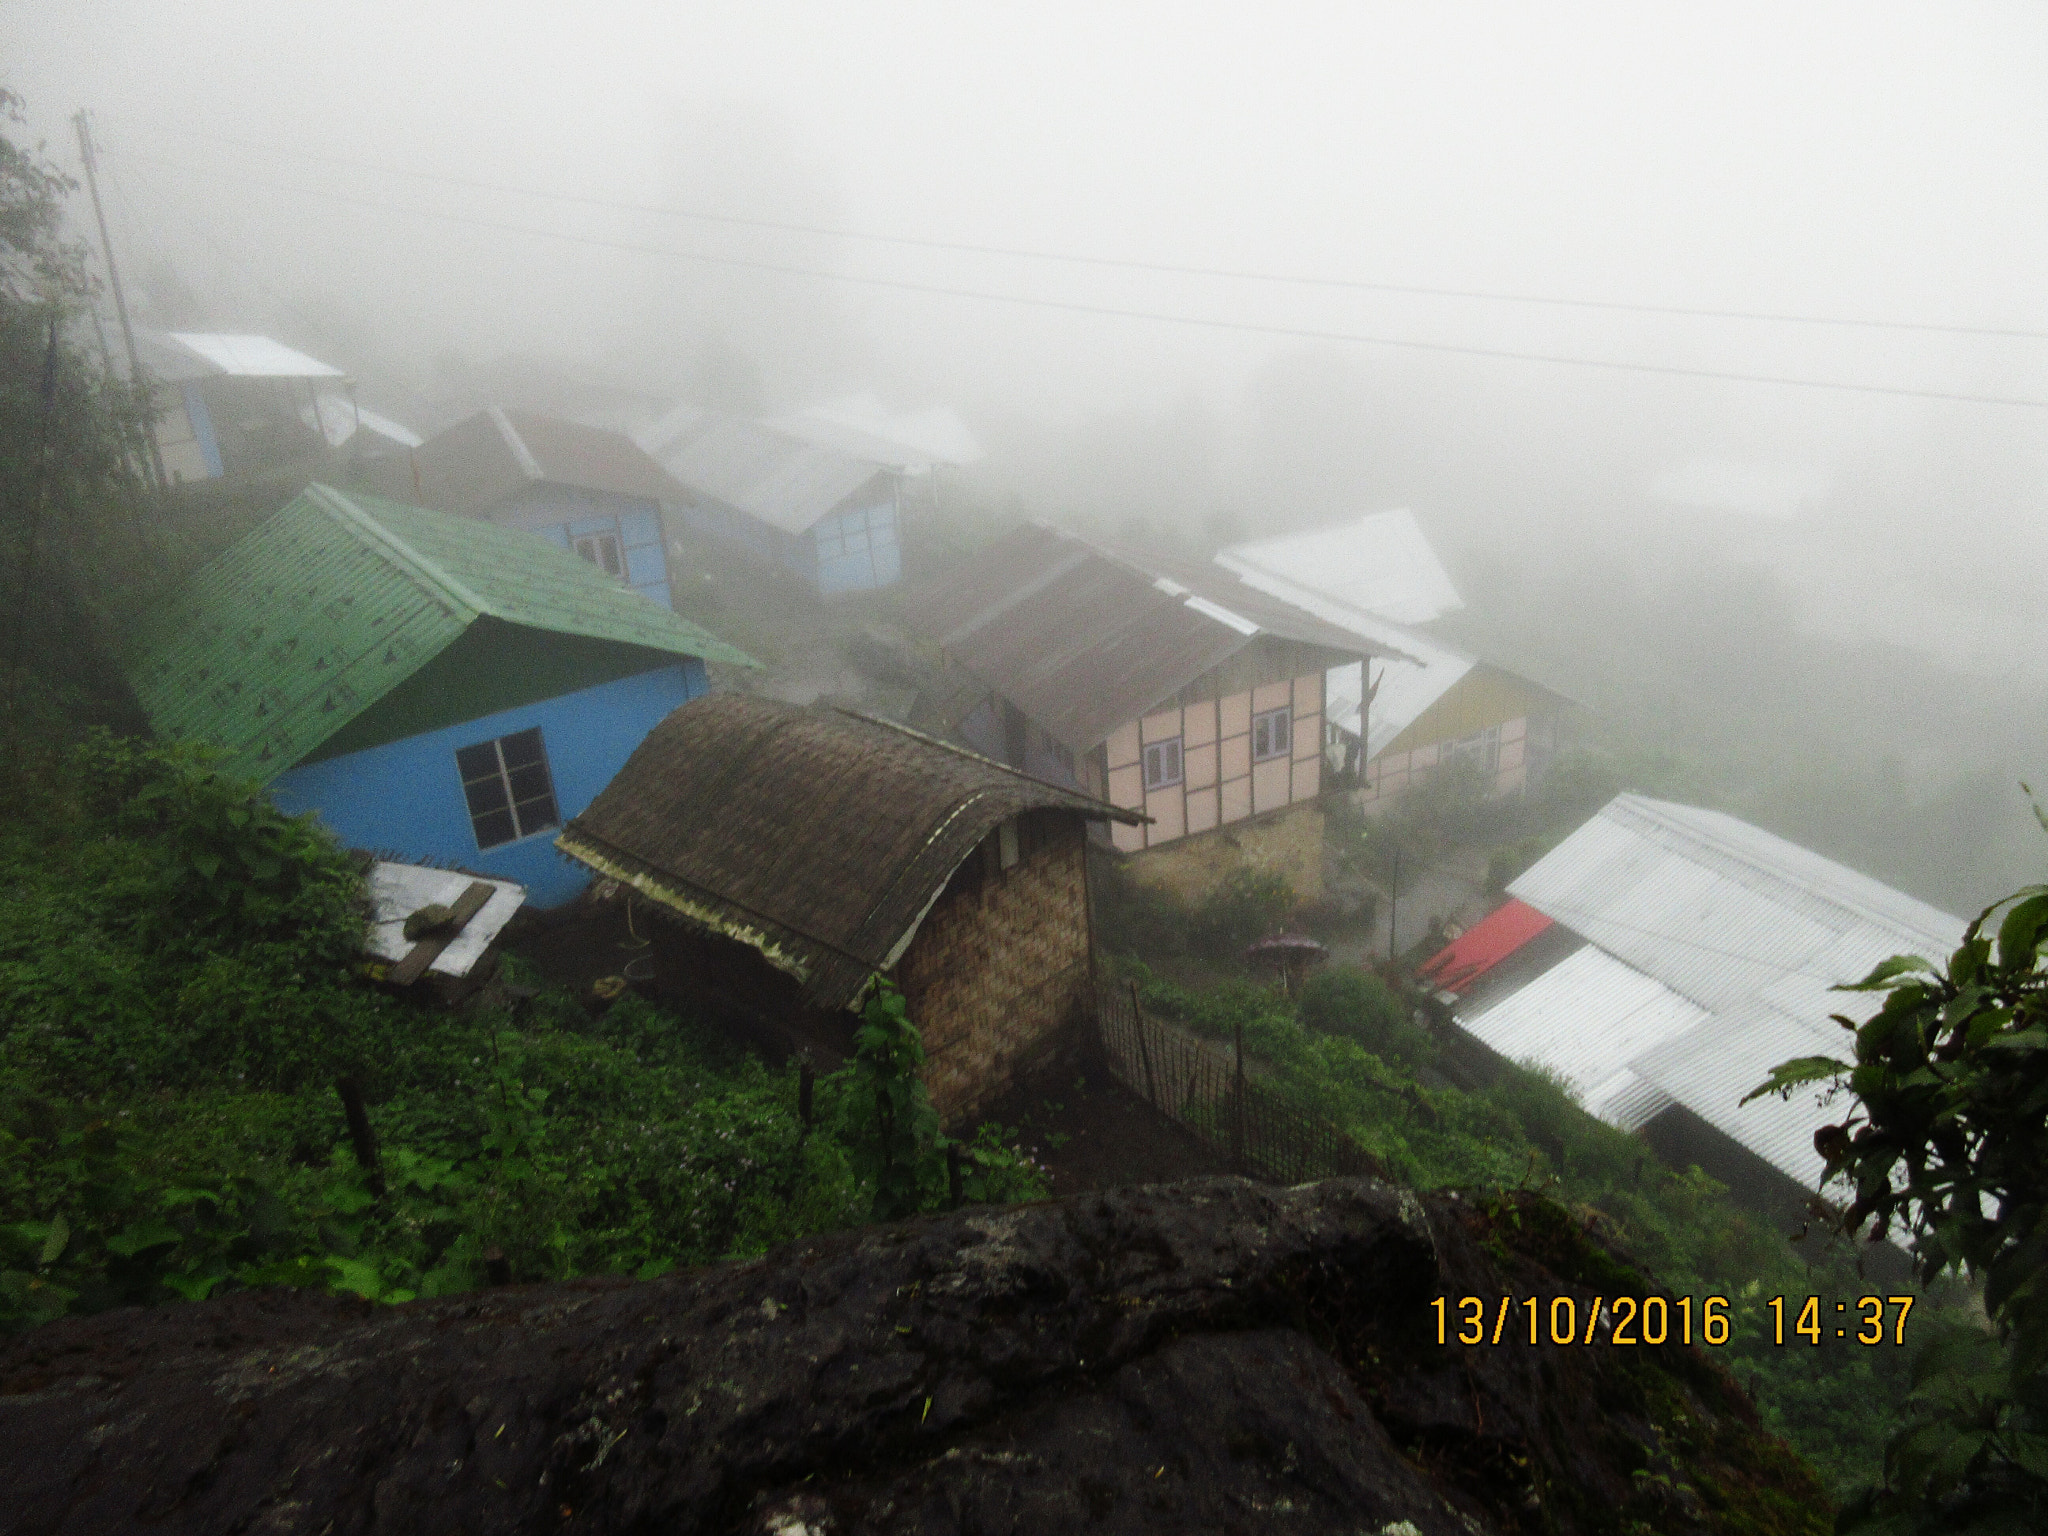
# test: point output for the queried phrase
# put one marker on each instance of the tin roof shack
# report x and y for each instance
(230, 404)
(802, 851)
(831, 515)
(1088, 667)
(433, 686)
(1374, 577)
(436, 927)
(1707, 951)
(588, 490)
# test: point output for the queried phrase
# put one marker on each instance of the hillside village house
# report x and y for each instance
(435, 687)
(228, 404)
(832, 516)
(1663, 959)
(800, 852)
(1376, 577)
(590, 491)
(1089, 668)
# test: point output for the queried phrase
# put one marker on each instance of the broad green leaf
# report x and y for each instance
(53, 1245)
(193, 1287)
(361, 1276)
(1882, 974)
(141, 1236)
(2022, 931)
(1788, 1075)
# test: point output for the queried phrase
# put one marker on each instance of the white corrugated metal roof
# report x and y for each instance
(1750, 929)
(252, 357)
(1709, 1070)
(785, 482)
(1721, 911)
(338, 415)
(1406, 689)
(1586, 1019)
(862, 426)
(1380, 565)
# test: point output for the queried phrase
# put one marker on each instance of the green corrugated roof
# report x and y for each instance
(306, 622)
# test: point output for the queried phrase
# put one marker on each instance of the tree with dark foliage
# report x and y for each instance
(1948, 1143)
(71, 499)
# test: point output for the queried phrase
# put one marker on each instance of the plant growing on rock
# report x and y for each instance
(1947, 1140)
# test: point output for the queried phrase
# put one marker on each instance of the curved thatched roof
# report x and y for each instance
(818, 836)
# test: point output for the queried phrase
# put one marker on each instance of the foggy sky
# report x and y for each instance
(1855, 160)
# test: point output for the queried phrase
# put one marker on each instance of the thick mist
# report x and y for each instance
(1823, 604)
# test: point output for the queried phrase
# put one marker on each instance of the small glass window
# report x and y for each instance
(508, 788)
(1272, 734)
(1162, 763)
(602, 551)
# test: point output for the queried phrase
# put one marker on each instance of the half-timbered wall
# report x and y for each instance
(1217, 722)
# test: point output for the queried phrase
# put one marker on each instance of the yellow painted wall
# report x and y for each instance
(1482, 697)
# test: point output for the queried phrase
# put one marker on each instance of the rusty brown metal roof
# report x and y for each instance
(817, 836)
(496, 453)
(1082, 638)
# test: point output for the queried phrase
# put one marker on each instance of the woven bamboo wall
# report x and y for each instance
(997, 978)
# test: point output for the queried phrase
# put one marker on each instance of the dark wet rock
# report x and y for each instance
(1210, 1356)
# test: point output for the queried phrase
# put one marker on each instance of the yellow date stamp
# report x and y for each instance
(1655, 1320)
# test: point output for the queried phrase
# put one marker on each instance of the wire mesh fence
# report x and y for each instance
(1204, 1087)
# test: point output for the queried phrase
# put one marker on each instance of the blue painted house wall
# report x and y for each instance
(202, 426)
(406, 797)
(856, 547)
(564, 513)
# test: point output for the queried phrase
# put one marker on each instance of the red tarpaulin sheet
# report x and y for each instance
(1484, 945)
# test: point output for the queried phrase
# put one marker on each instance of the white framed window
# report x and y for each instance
(508, 787)
(1162, 763)
(1272, 734)
(602, 550)
(1481, 747)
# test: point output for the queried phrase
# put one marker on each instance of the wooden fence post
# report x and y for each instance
(1237, 1119)
(359, 1132)
(1144, 1051)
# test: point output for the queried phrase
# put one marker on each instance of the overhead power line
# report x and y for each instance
(1302, 333)
(1131, 264)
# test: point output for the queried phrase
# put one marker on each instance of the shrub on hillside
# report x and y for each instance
(1344, 1000)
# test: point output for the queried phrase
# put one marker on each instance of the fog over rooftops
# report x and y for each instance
(1380, 565)
(754, 468)
(862, 426)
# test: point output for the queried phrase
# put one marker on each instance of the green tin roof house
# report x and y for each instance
(433, 686)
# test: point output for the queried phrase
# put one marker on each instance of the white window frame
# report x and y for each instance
(1165, 764)
(1269, 743)
(531, 816)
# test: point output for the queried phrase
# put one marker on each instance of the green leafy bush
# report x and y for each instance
(1946, 1137)
(171, 1029)
(1343, 1000)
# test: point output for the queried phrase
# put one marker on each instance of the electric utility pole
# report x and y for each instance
(155, 464)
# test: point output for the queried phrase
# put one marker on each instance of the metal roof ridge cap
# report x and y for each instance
(397, 551)
(990, 762)
(529, 466)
